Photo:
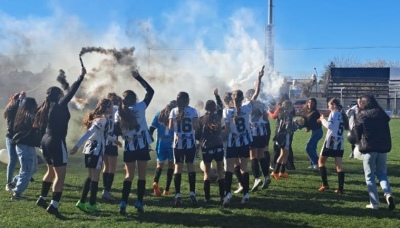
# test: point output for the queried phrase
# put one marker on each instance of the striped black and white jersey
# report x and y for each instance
(257, 122)
(239, 133)
(184, 133)
(95, 137)
(137, 139)
(334, 135)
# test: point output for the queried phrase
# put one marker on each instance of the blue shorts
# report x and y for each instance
(165, 154)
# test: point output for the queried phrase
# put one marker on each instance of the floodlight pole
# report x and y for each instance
(341, 95)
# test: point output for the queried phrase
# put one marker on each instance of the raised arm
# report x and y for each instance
(150, 91)
(257, 91)
(220, 106)
(72, 90)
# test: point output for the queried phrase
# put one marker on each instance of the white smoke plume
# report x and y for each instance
(171, 60)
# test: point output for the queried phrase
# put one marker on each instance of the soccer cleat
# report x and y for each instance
(139, 206)
(156, 189)
(122, 208)
(266, 183)
(106, 195)
(166, 193)
(207, 201)
(227, 200)
(283, 175)
(390, 202)
(10, 186)
(245, 198)
(371, 206)
(178, 200)
(192, 196)
(81, 206)
(323, 188)
(18, 196)
(41, 202)
(257, 183)
(339, 192)
(275, 175)
(52, 210)
(92, 208)
(239, 190)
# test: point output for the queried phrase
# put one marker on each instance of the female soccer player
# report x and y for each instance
(97, 125)
(237, 128)
(261, 131)
(184, 120)
(163, 147)
(111, 150)
(209, 135)
(334, 144)
(137, 139)
(284, 137)
(54, 115)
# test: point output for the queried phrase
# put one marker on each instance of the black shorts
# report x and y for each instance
(215, 153)
(111, 150)
(259, 141)
(326, 152)
(54, 151)
(186, 155)
(93, 161)
(137, 155)
(238, 152)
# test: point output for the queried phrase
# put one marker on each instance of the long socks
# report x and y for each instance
(170, 173)
(324, 175)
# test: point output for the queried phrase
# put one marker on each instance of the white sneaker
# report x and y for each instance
(313, 167)
(245, 198)
(371, 206)
(239, 190)
(10, 186)
(271, 168)
(257, 183)
(227, 199)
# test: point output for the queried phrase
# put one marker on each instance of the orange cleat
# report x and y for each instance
(275, 175)
(156, 190)
(323, 188)
(284, 175)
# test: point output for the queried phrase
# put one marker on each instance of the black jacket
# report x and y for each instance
(373, 132)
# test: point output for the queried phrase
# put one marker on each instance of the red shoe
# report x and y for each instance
(156, 190)
(275, 175)
(284, 175)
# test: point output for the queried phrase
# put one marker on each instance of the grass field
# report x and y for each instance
(292, 202)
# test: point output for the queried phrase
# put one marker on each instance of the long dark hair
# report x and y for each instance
(11, 102)
(336, 101)
(313, 108)
(164, 114)
(368, 102)
(52, 95)
(100, 110)
(128, 118)
(26, 110)
(182, 101)
(237, 97)
(209, 118)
